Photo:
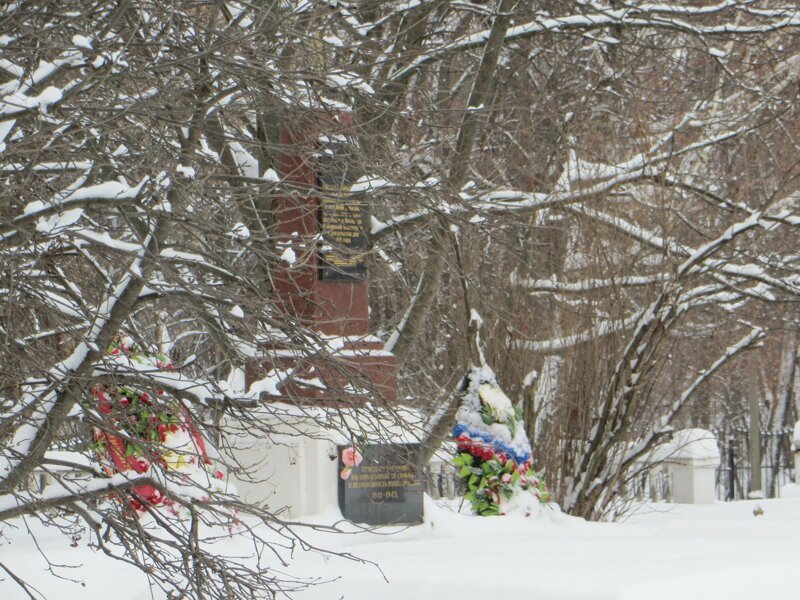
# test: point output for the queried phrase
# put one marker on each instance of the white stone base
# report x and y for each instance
(289, 473)
(294, 469)
(693, 483)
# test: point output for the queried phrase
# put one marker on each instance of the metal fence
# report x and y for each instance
(654, 485)
(734, 474)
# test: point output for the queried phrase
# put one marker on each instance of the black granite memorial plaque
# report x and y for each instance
(344, 226)
(343, 216)
(380, 484)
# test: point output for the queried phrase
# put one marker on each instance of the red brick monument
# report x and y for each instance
(321, 280)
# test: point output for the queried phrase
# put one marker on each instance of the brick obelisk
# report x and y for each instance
(320, 280)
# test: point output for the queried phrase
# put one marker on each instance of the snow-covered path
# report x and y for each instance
(664, 551)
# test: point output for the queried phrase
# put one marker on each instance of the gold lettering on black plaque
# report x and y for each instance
(383, 476)
(344, 228)
(384, 488)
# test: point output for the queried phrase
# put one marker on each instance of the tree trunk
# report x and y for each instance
(459, 164)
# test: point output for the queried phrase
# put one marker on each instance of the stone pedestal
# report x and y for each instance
(293, 471)
(693, 481)
(293, 463)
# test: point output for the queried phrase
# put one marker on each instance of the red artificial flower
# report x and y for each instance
(464, 442)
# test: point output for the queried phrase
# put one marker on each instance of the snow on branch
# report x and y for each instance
(63, 492)
(204, 391)
(586, 285)
(603, 328)
(753, 338)
(696, 297)
(709, 248)
(31, 416)
(643, 16)
(718, 268)
(38, 399)
(197, 260)
(55, 216)
(500, 201)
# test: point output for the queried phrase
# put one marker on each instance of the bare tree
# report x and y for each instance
(141, 145)
(626, 199)
(607, 183)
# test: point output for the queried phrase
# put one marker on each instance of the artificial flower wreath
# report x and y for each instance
(494, 454)
(156, 434)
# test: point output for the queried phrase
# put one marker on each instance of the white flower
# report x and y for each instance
(494, 397)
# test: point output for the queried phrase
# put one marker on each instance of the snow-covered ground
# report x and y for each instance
(664, 551)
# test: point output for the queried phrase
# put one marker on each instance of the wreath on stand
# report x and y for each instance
(149, 432)
(494, 454)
